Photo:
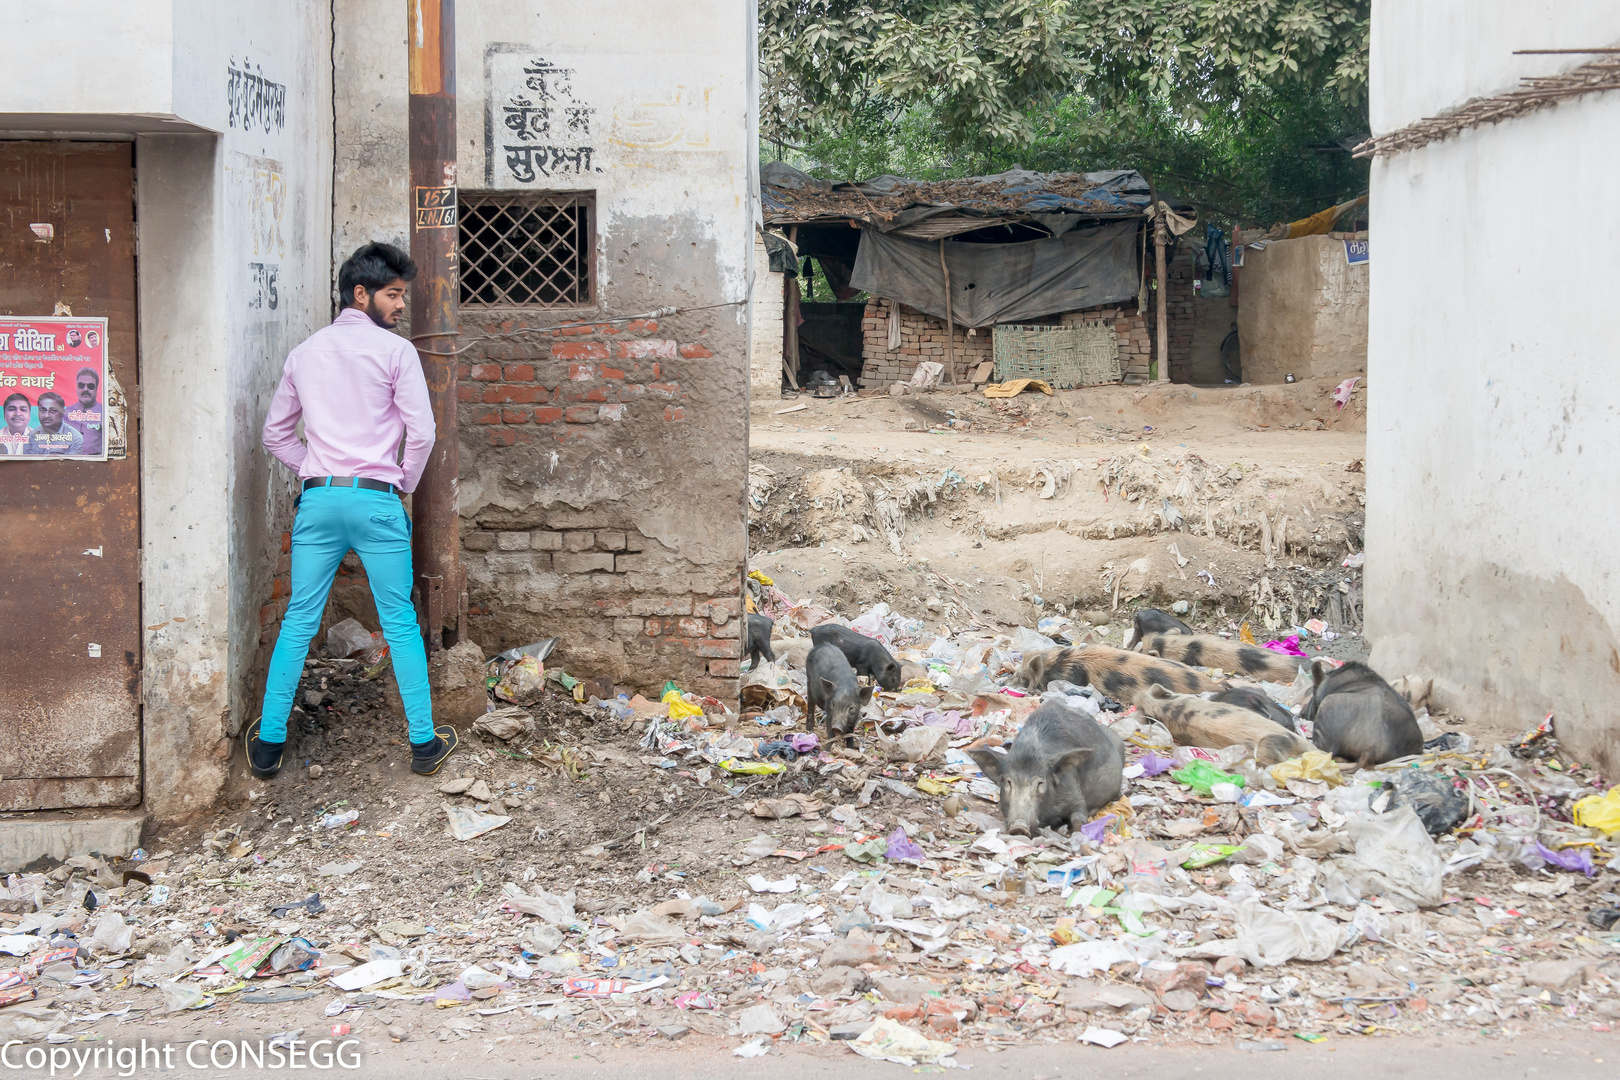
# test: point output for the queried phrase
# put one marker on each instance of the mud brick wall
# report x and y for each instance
(922, 337)
(602, 478)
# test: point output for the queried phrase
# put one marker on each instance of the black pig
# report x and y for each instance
(1061, 768)
(1359, 716)
(1153, 621)
(757, 640)
(833, 689)
(867, 654)
(1247, 697)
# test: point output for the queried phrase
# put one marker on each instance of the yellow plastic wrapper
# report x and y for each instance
(759, 576)
(753, 768)
(1311, 765)
(1600, 811)
(1246, 635)
(679, 707)
(937, 785)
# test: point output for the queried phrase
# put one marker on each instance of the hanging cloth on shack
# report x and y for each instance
(1315, 225)
(1002, 283)
(783, 254)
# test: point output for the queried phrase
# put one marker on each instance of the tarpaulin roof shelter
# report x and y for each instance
(1024, 244)
(934, 209)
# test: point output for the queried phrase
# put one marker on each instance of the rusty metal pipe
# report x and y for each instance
(436, 543)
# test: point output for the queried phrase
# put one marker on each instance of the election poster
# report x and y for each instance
(53, 378)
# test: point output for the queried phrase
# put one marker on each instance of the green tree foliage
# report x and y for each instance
(983, 65)
(1235, 105)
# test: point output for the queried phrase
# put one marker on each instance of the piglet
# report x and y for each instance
(1359, 716)
(832, 688)
(1062, 767)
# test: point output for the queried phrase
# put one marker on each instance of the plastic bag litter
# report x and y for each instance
(1025, 640)
(346, 638)
(1267, 937)
(1311, 765)
(178, 996)
(679, 707)
(465, 823)
(505, 724)
(111, 935)
(1202, 777)
(556, 910)
(648, 929)
(875, 624)
(762, 1019)
(1599, 811)
(915, 743)
(521, 682)
(1437, 802)
(1394, 858)
(1085, 957)
(890, 1040)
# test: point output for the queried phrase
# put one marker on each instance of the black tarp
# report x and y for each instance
(1003, 283)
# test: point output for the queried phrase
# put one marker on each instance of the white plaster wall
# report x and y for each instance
(1494, 387)
(765, 336)
(87, 56)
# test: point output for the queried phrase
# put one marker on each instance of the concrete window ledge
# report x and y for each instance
(25, 838)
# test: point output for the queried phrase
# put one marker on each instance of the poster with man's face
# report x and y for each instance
(53, 379)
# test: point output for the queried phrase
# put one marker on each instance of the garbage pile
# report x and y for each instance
(868, 890)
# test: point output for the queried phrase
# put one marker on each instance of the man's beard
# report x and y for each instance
(376, 316)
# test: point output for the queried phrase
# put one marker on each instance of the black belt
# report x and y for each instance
(350, 481)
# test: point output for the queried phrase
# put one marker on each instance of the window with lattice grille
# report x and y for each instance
(526, 250)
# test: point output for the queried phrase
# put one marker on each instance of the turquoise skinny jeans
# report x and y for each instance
(330, 521)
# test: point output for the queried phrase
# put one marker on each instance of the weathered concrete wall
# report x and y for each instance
(1492, 424)
(1302, 311)
(603, 467)
(234, 205)
(765, 335)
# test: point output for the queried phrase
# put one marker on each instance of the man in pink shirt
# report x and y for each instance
(359, 389)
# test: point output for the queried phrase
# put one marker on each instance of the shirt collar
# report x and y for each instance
(351, 314)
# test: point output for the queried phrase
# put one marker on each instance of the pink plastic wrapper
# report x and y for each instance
(1289, 646)
(596, 988)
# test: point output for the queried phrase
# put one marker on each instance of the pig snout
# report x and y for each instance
(1018, 827)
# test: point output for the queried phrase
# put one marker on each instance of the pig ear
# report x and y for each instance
(828, 685)
(1319, 671)
(866, 694)
(1072, 760)
(1037, 666)
(989, 763)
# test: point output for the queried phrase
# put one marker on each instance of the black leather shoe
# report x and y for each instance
(264, 758)
(428, 756)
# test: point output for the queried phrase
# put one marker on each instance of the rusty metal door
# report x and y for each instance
(70, 721)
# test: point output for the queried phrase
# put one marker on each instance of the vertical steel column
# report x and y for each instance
(436, 546)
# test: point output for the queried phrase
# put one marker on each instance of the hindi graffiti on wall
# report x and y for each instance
(541, 130)
(53, 381)
(252, 100)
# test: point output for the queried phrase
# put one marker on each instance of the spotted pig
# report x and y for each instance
(1207, 650)
(1192, 721)
(1115, 672)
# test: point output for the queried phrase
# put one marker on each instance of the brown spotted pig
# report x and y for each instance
(1119, 674)
(1192, 721)
(1207, 650)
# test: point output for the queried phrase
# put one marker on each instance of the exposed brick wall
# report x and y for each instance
(1179, 309)
(614, 400)
(922, 337)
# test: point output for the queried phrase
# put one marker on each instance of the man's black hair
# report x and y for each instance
(90, 371)
(60, 400)
(24, 398)
(374, 266)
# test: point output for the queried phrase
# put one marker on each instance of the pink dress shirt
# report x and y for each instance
(358, 388)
